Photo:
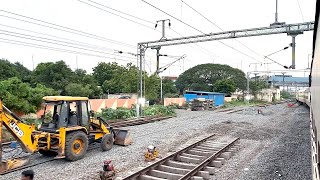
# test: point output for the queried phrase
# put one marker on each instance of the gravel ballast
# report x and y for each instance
(275, 142)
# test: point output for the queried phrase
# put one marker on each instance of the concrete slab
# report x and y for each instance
(222, 160)
(226, 155)
(206, 148)
(207, 151)
(203, 149)
(188, 159)
(200, 153)
(165, 175)
(147, 177)
(197, 178)
(215, 163)
(193, 156)
(204, 174)
(174, 170)
(180, 164)
(211, 170)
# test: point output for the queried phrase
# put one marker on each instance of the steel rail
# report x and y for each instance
(207, 161)
(172, 156)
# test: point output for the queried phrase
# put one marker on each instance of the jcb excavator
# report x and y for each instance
(66, 133)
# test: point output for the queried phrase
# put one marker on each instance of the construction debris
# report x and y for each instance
(201, 104)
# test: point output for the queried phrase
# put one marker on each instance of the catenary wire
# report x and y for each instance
(198, 30)
(63, 28)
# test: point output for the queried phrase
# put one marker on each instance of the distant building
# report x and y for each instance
(287, 82)
(217, 97)
(172, 78)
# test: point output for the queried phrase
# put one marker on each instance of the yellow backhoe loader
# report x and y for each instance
(66, 132)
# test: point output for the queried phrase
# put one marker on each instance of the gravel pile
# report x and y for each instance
(258, 133)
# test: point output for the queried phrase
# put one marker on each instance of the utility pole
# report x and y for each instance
(309, 61)
(32, 63)
(77, 61)
(165, 68)
(276, 17)
(162, 38)
(283, 80)
(247, 98)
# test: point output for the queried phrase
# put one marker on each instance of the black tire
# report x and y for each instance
(106, 142)
(48, 153)
(76, 145)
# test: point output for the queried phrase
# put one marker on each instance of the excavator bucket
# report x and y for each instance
(7, 166)
(122, 137)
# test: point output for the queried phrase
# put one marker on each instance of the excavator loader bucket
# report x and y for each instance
(122, 137)
(7, 166)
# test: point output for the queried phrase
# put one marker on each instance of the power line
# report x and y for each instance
(122, 12)
(300, 10)
(218, 27)
(130, 19)
(77, 42)
(10, 41)
(197, 29)
(173, 17)
(115, 14)
(65, 29)
(47, 40)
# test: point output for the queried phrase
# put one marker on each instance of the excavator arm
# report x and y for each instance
(21, 132)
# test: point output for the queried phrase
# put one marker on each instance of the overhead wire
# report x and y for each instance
(63, 28)
(103, 5)
(197, 29)
(70, 40)
(47, 40)
(115, 14)
(130, 19)
(217, 26)
(300, 10)
(10, 41)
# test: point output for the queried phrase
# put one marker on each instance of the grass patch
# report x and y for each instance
(237, 103)
(124, 113)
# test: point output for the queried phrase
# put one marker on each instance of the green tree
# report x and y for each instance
(256, 86)
(74, 89)
(226, 86)
(202, 76)
(87, 81)
(130, 79)
(24, 73)
(169, 88)
(21, 97)
(8, 70)
(152, 87)
(54, 75)
(106, 71)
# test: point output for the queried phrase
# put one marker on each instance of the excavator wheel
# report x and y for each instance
(106, 142)
(48, 153)
(76, 145)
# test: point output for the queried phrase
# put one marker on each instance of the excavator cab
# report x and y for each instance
(65, 113)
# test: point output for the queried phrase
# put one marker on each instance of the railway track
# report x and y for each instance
(116, 124)
(125, 123)
(197, 161)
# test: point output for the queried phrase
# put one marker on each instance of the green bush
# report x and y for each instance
(159, 110)
(124, 113)
(119, 113)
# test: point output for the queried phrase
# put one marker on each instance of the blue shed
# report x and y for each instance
(217, 97)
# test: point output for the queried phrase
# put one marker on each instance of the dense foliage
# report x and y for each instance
(21, 97)
(226, 86)
(204, 77)
(257, 85)
(124, 113)
(57, 78)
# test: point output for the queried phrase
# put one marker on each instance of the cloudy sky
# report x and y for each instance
(85, 32)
